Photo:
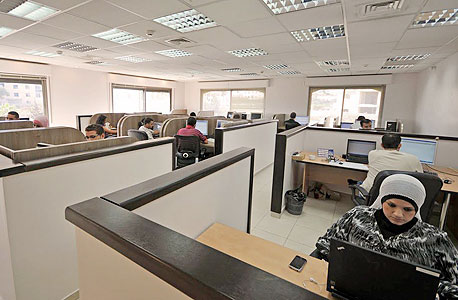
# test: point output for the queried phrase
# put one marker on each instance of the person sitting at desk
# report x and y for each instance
(101, 120)
(192, 114)
(146, 125)
(390, 158)
(291, 123)
(190, 129)
(41, 121)
(393, 226)
(12, 116)
(94, 132)
(366, 124)
(357, 124)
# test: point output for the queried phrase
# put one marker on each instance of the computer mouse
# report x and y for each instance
(340, 163)
(447, 181)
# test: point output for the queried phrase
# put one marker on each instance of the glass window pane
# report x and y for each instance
(158, 101)
(218, 101)
(361, 102)
(325, 103)
(15, 96)
(247, 101)
(127, 100)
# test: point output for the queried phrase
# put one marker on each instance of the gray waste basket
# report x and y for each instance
(295, 200)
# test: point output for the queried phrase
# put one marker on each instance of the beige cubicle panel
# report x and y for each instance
(179, 112)
(112, 118)
(171, 126)
(19, 124)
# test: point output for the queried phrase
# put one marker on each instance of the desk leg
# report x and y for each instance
(444, 210)
(305, 181)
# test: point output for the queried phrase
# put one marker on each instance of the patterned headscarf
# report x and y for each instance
(403, 187)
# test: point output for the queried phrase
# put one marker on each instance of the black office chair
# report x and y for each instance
(432, 184)
(289, 126)
(138, 134)
(188, 150)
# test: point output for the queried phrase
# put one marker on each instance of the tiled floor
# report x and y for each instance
(296, 232)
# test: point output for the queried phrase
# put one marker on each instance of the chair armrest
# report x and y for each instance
(363, 192)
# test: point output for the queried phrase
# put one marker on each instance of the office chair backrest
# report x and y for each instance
(188, 144)
(138, 134)
(290, 126)
(432, 184)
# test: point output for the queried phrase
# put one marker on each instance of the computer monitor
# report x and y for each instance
(157, 126)
(255, 116)
(358, 150)
(202, 126)
(424, 150)
(303, 120)
(244, 116)
(346, 125)
(230, 114)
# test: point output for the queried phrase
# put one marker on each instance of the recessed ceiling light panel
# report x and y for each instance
(119, 36)
(436, 18)
(186, 21)
(319, 33)
(337, 70)
(409, 57)
(42, 53)
(332, 63)
(96, 62)
(32, 11)
(133, 59)
(395, 67)
(289, 72)
(5, 30)
(174, 53)
(286, 6)
(75, 47)
(232, 70)
(250, 74)
(276, 67)
(248, 52)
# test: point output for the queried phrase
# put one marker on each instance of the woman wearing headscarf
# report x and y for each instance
(41, 121)
(101, 120)
(393, 226)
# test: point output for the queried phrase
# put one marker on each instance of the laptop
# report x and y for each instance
(358, 150)
(356, 273)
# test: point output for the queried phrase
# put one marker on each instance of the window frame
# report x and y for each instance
(144, 89)
(29, 79)
(202, 91)
(382, 87)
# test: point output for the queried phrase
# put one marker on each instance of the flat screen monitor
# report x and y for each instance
(220, 123)
(424, 150)
(157, 126)
(244, 116)
(255, 116)
(303, 120)
(230, 114)
(202, 126)
(360, 147)
(346, 125)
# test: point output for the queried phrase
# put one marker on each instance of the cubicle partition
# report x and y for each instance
(139, 243)
(258, 135)
(38, 252)
(19, 124)
(112, 118)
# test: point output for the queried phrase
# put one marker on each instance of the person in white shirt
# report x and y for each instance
(146, 125)
(390, 158)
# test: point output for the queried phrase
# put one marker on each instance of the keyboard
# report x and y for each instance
(350, 165)
(430, 172)
(211, 140)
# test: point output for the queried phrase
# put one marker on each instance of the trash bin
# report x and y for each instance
(295, 200)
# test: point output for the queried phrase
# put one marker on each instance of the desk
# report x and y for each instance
(210, 146)
(319, 170)
(267, 256)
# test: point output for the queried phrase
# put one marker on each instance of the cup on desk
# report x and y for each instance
(312, 157)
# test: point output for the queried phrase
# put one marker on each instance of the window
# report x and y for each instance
(243, 101)
(28, 105)
(129, 99)
(345, 103)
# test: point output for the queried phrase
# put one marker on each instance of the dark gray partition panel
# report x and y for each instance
(197, 270)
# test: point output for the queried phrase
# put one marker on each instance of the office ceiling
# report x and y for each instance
(372, 35)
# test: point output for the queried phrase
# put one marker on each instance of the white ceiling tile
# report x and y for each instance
(61, 4)
(95, 42)
(150, 46)
(428, 37)
(235, 11)
(104, 13)
(196, 3)
(283, 48)
(52, 32)
(125, 50)
(413, 51)
(375, 50)
(326, 15)
(260, 27)
(355, 9)
(220, 38)
(151, 9)
(279, 38)
(297, 57)
(327, 49)
(28, 41)
(140, 29)
(210, 52)
(432, 5)
(75, 24)
(13, 22)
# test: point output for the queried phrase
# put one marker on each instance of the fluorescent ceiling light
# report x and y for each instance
(119, 36)
(75, 47)
(276, 67)
(394, 67)
(332, 63)
(409, 57)
(186, 21)
(96, 62)
(289, 72)
(285, 6)
(248, 52)
(32, 11)
(5, 30)
(133, 59)
(250, 74)
(174, 53)
(232, 70)
(436, 18)
(319, 33)
(42, 53)
(337, 70)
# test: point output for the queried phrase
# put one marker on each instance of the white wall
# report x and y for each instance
(437, 103)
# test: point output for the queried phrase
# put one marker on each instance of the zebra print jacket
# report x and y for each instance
(423, 244)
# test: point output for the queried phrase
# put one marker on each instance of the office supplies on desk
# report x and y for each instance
(423, 149)
(358, 150)
(323, 152)
(355, 273)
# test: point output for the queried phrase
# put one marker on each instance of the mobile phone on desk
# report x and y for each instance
(298, 263)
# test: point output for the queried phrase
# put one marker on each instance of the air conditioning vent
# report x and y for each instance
(382, 7)
(179, 41)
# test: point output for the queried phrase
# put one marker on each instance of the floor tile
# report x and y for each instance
(268, 236)
(305, 235)
(320, 212)
(256, 216)
(281, 227)
(314, 222)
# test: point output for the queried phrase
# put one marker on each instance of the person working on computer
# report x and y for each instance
(357, 123)
(393, 226)
(366, 124)
(146, 125)
(190, 129)
(12, 116)
(291, 123)
(192, 114)
(102, 121)
(94, 132)
(390, 158)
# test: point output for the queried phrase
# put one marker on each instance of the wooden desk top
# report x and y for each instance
(322, 161)
(267, 256)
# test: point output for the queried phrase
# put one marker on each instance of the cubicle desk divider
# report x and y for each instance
(38, 251)
(139, 241)
(259, 135)
(19, 124)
